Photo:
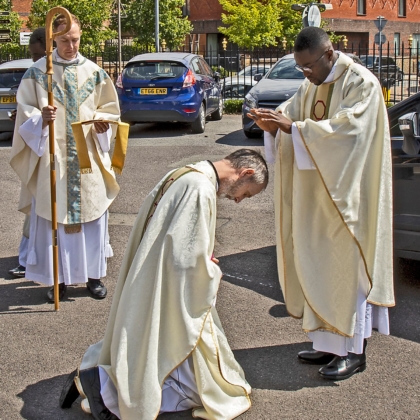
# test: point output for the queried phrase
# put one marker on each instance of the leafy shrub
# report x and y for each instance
(221, 70)
(233, 106)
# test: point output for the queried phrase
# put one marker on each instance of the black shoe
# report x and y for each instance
(96, 288)
(70, 392)
(18, 272)
(91, 384)
(315, 357)
(62, 289)
(344, 367)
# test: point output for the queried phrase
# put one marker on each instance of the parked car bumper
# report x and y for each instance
(160, 115)
(182, 108)
(407, 236)
(6, 124)
(248, 124)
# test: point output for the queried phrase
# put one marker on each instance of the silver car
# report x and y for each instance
(11, 74)
(278, 85)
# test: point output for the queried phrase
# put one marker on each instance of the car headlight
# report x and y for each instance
(250, 101)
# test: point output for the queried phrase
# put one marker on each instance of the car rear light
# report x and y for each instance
(189, 110)
(189, 79)
(118, 83)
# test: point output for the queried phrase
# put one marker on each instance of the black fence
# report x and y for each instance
(397, 67)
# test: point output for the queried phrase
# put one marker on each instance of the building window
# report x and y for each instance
(397, 40)
(402, 10)
(416, 44)
(361, 7)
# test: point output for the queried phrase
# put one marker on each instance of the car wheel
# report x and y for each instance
(218, 114)
(252, 135)
(199, 124)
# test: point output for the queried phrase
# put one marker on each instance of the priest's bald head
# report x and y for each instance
(242, 174)
(314, 54)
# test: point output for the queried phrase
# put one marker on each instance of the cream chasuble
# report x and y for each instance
(162, 312)
(338, 216)
(82, 91)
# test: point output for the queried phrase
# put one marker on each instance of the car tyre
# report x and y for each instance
(218, 114)
(199, 125)
(252, 135)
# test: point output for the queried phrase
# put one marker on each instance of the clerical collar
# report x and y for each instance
(57, 58)
(330, 77)
(217, 175)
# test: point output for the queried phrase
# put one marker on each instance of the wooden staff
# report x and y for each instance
(49, 41)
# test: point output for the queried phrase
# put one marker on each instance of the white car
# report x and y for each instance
(11, 74)
(237, 86)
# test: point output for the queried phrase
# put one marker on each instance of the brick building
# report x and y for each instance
(353, 18)
(22, 7)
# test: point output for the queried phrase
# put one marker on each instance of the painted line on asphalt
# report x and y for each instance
(247, 280)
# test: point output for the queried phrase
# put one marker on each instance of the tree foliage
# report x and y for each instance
(92, 15)
(139, 22)
(15, 29)
(257, 23)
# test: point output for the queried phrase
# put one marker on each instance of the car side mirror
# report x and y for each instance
(409, 126)
(216, 76)
(258, 77)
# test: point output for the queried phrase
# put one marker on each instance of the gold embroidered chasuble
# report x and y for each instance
(162, 311)
(331, 219)
(82, 91)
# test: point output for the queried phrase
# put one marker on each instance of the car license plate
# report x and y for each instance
(8, 99)
(153, 91)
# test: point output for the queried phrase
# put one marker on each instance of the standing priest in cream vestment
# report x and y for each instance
(164, 349)
(333, 204)
(82, 91)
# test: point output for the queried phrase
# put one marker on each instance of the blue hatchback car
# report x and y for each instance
(178, 87)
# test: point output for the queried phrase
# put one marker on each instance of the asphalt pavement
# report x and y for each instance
(40, 347)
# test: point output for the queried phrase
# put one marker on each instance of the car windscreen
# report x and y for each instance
(252, 71)
(11, 78)
(285, 69)
(152, 70)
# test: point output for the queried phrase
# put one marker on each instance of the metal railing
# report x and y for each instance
(396, 67)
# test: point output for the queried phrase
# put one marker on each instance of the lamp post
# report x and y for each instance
(224, 45)
(119, 39)
(163, 45)
(157, 25)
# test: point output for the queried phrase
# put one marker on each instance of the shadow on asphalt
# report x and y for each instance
(20, 295)
(238, 138)
(277, 368)
(160, 129)
(255, 270)
(40, 401)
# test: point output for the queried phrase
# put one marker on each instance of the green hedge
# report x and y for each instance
(221, 70)
(233, 106)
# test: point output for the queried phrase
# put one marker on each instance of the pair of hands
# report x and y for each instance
(49, 113)
(270, 120)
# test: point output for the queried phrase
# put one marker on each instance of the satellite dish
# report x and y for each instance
(311, 16)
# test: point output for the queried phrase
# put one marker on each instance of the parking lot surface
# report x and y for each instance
(40, 347)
